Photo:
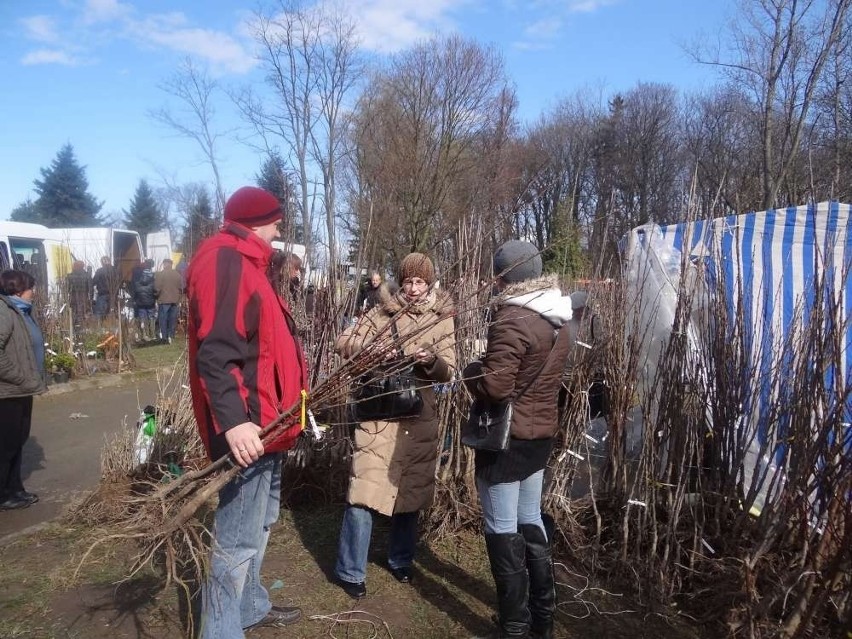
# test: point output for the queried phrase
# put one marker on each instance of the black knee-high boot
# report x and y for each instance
(542, 598)
(507, 554)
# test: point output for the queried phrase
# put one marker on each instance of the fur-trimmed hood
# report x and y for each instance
(541, 295)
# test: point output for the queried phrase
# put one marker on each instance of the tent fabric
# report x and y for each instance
(770, 261)
(777, 253)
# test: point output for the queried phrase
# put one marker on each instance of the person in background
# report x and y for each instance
(105, 281)
(79, 291)
(590, 338)
(393, 464)
(370, 294)
(21, 377)
(586, 358)
(168, 288)
(144, 298)
(285, 271)
(245, 365)
(527, 348)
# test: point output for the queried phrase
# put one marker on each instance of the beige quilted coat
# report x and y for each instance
(393, 463)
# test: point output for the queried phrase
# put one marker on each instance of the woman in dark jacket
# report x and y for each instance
(21, 377)
(528, 343)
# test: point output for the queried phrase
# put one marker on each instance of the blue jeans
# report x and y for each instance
(167, 317)
(102, 305)
(233, 597)
(507, 506)
(354, 545)
(145, 313)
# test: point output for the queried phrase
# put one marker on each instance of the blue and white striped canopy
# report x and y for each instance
(775, 258)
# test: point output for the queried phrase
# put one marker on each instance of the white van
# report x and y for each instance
(158, 247)
(89, 245)
(36, 249)
(48, 254)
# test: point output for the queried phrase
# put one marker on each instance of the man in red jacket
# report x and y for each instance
(245, 367)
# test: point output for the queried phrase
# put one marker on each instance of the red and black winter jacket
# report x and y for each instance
(244, 361)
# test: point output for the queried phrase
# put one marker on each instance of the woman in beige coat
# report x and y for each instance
(393, 464)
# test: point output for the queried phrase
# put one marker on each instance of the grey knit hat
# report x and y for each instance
(516, 261)
(579, 299)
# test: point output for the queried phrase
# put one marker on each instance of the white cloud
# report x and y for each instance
(386, 26)
(542, 33)
(172, 31)
(544, 29)
(219, 49)
(40, 28)
(96, 22)
(588, 6)
(98, 11)
(49, 56)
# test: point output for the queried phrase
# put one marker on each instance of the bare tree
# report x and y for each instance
(722, 150)
(637, 165)
(420, 131)
(287, 41)
(831, 163)
(340, 69)
(195, 89)
(310, 58)
(559, 165)
(780, 51)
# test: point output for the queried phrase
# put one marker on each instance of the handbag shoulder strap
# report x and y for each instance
(542, 367)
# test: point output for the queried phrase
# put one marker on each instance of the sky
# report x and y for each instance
(90, 72)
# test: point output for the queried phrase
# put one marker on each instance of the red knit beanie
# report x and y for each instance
(251, 206)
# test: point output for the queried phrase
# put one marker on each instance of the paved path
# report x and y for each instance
(62, 458)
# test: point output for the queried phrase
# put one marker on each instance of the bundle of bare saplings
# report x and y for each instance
(674, 497)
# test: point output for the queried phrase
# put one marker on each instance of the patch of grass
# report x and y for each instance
(159, 355)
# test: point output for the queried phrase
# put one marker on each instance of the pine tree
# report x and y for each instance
(24, 212)
(63, 196)
(565, 255)
(144, 215)
(273, 178)
(200, 223)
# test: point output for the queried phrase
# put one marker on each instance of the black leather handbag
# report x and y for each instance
(390, 393)
(389, 396)
(489, 424)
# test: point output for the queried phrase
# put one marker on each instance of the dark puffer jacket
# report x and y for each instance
(527, 318)
(19, 372)
(143, 287)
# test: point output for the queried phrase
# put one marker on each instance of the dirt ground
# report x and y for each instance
(44, 596)
(62, 457)
(452, 594)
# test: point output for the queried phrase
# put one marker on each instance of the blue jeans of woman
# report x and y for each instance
(509, 505)
(233, 597)
(354, 545)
